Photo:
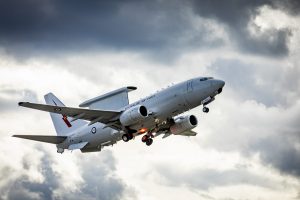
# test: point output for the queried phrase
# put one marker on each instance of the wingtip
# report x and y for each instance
(22, 103)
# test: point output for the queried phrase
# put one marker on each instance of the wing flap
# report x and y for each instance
(43, 138)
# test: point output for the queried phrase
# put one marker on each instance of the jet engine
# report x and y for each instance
(183, 123)
(133, 115)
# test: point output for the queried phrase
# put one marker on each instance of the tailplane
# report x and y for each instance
(63, 124)
(43, 138)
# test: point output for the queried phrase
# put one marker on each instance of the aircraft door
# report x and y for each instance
(189, 93)
(189, 86)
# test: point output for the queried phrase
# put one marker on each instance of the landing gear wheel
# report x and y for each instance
(205, 109)
(130, 136)
(125, 137)
(145, 138)
(60, 150)
(149, 141)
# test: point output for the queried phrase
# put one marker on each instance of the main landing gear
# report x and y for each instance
(205, 109)
(147, 139)
(127, 136)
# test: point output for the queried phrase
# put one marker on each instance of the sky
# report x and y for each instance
(248, 145)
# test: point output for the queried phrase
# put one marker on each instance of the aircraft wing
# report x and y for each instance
(43, 138)
(102, 116)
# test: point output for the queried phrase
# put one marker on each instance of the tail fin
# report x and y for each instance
(62, 124)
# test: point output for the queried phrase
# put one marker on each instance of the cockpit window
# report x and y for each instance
(205, 78)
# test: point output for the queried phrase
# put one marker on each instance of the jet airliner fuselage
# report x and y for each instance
(151, 116)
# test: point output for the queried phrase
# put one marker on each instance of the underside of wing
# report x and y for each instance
(188, 133)
(103, 116)
(43, 138)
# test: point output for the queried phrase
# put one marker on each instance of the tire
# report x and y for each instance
(145, 138)
(149, 142)
(130, 136)
(205, 109)
(125, 137)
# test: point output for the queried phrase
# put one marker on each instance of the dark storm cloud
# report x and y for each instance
(23, 188)
(100, 181)
(281, 151)
(237, 15)
(291, 6)
(152, 26)
(76, 25)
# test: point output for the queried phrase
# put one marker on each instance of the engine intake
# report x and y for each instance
(184, 123)
(133, 115)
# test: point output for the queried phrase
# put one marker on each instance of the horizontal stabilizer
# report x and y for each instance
(43, 138)
(77, 146)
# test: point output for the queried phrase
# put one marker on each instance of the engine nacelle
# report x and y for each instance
(133, 115)
(184, 123)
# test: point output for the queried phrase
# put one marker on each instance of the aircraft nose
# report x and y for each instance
(219, 83)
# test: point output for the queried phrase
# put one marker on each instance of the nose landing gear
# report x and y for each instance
(60, 150)
(205, 109)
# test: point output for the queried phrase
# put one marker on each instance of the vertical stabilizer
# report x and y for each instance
(62, 124)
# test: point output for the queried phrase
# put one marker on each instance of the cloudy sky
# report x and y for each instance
(248, 146)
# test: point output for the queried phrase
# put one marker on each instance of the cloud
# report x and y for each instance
(261, 81)
(281, 149)
(208, 179)
(237, 16)
(98, 181)
(52, 26)
(9, 97)
(252, 129)
(161, 29)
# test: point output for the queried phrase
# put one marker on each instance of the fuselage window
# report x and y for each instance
(205, 78)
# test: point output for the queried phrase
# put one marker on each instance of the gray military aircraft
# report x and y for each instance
(110, 118)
